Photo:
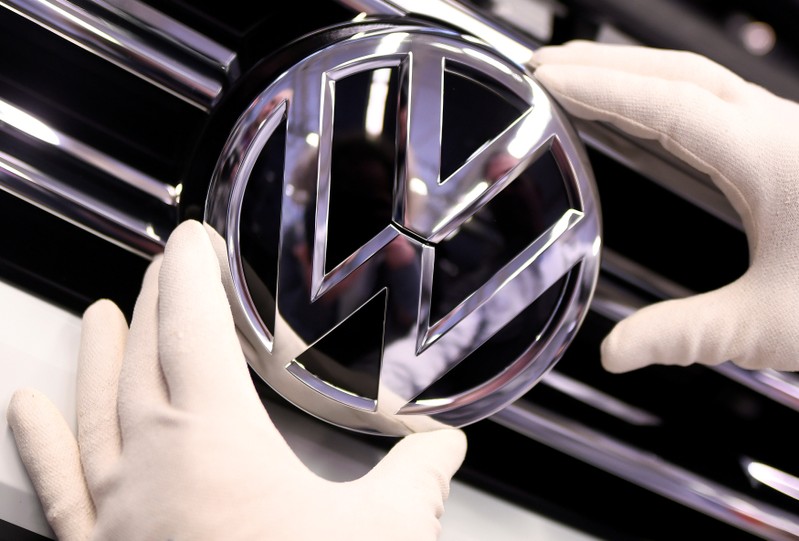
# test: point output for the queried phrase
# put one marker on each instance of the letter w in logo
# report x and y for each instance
(357, 314)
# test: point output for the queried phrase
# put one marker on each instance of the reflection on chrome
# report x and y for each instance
(649, 471)
(452, 14)
(600, 400)
(538, 266)
(145, 47)
(32, 185)
(378, 94)
(448, 247)
(26, 123)
(646, 158)
(21, 121)
(450, 200)
(782, 387)
(143, 16)
(772, 477)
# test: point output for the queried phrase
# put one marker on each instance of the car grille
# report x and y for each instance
(103, 106)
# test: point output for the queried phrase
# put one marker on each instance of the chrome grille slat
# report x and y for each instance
(599, 400)
(44, 191)
(142, 15)
(152, 46)
(509, 43)
(147, 55)
(22, 125)
(779, 386)
(196, 70)
(640, 277)
(649, 471)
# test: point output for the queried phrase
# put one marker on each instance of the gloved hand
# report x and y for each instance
(174, 443)
(745, 139)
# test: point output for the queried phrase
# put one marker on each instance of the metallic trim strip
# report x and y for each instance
(24, 126)
(771, 477)
(373, 7)
(649, 471)
(600, 400)
(144, 16)
(455, 14)
(37, 188)
(146, 56)
(782, 387)
(641, 277)
(615, 304)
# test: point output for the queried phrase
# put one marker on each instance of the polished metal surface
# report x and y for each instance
(60, 199)
(646, 158)
(84, 206)
(771, 477)
(454, 15)
(650, 471)
(144, 16)
(413, 226)
(22, 125)
(648, 161)
(600, 400)
(150, 45)
(782, 387)
(462, 243)
(642, 467)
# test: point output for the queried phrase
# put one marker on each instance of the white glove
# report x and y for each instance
(174, 442)
(746, 139)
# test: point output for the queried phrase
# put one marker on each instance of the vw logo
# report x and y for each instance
(411, 230)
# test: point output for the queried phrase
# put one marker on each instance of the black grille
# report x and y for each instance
(92, 197)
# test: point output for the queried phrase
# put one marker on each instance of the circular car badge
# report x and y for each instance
(412, 230)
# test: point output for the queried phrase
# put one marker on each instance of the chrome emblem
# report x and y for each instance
(397, 264)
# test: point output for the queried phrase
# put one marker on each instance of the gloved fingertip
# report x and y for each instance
(190, 253)
(610, 357)
(545, 55)
(22, 400)
(220, 248)
(191, 229)
(212, 233)
(102, 309)
(535, 60)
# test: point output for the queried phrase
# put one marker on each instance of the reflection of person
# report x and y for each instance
(469, 260)
(174, 443)
(745, 139)
(361, 204)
